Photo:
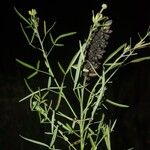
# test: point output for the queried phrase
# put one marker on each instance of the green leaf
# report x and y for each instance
(67, 140)
(117, 104)
(63, 125)
(34, 93)
(60, 96)
(27, 85)
(54, 42)
(64, 116)
(49, 81)
(52, 122)
(35, 142)
(45, 94)
(51, 38)
(92, 142)
(36, 72)
(25, 64)
(54, 136)
(21, 16)
(113, 65)
(75, 57)
(59, 45)
(106, 132)
(79, 65)
(100, 95)
(61, 68)
(25, 34)
(114, 53)
(46, 31)
(64, 35)
(113, 125)
(32, 75)
(44, 27)
(38, 65)
(140, 59)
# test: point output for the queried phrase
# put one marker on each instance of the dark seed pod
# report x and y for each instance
(96, 48)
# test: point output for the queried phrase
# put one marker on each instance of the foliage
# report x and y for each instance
(88, 124)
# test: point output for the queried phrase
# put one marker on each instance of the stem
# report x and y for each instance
(83, 118)
(81, 125)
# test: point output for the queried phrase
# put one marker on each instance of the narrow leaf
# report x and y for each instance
(114, 65)
(49, 81)
(100, 96)
(34, 141)
(32, 75)
(44, 28)
(107, 137)
(113, 125)
(61, 68)
(64, 126)
(117, 104)
(25, 34)
(92, 143)
(114, 53)
(73, 61)
(59, 45)
(79, 65)
(51, 38)
(53, 120)
(54, 136)
(27, 85)
(64, 35)
(21, 16)
(45, 94)
(38, 65)
(140, 59)
(25, 64)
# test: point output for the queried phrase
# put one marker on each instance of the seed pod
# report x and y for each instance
(96, 48)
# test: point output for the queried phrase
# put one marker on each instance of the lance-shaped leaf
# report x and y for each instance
(21, 16)
(36, 142)
(116, 104)
(25, 64)
(115, 53)
(60, 37)
(54, 136)
(36, 72)
(140, 59)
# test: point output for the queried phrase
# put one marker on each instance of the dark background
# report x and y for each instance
(132, 83)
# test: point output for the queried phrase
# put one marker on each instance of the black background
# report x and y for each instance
(132, 83)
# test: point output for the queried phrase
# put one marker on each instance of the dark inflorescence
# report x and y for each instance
(96, 48)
